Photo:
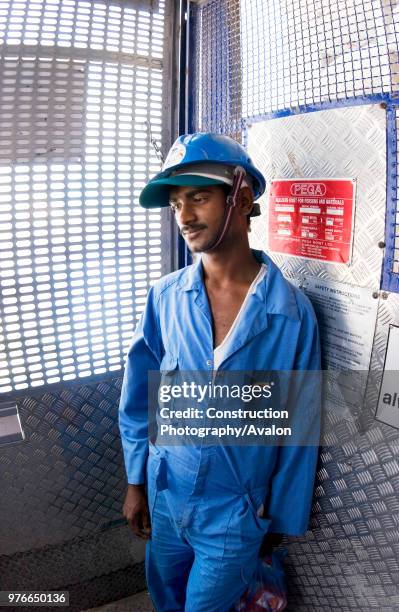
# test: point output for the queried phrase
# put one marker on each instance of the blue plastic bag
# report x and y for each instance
(267, 592)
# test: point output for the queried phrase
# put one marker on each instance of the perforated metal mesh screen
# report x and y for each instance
(271, 56)
(258, 59)
(314, 51)
(80, 81)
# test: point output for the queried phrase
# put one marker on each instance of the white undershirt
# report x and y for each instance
(220, 351)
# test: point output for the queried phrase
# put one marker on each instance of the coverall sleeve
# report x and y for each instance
(291, 492)
(144, 354)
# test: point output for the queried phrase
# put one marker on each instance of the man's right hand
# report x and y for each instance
(136, 512)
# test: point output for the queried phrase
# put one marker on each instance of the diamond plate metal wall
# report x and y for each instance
(68, 474)
(61, 499)
(346, 142)
(350, 560)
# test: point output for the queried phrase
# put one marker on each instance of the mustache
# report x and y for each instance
(189, 228)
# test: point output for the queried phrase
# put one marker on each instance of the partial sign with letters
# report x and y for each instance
(388, 401)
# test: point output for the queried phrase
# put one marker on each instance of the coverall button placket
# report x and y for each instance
(203, 467)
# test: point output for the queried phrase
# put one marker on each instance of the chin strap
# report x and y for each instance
(231, 203)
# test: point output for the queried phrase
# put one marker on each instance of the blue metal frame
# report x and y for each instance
(328, 104)
(191, 83)
(390, 280)
(183, 254)
(184, 257)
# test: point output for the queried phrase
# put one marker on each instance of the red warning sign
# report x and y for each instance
(312, 218)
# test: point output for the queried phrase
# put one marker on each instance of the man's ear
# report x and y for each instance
(245, 201)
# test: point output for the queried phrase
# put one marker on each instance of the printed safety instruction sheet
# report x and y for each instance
(347, 317)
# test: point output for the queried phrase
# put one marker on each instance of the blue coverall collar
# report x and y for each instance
(272, 291)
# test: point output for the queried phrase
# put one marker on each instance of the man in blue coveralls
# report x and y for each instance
(206, 509)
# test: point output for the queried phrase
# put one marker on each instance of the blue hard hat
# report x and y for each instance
(200, 159)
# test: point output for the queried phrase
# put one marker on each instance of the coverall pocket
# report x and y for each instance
(261, 522)
(169, 377)
(157, 479)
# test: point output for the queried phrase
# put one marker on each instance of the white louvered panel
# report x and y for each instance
(79, 84)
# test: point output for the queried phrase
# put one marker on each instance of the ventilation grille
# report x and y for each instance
(80, 84)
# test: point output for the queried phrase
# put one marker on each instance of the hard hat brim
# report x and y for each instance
(156, 193)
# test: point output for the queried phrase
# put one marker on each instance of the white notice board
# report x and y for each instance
(388, 401)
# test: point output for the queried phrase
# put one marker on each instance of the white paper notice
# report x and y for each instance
(388, 401)
(347, 316)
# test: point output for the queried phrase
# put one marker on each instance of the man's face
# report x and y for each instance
(199, 213)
